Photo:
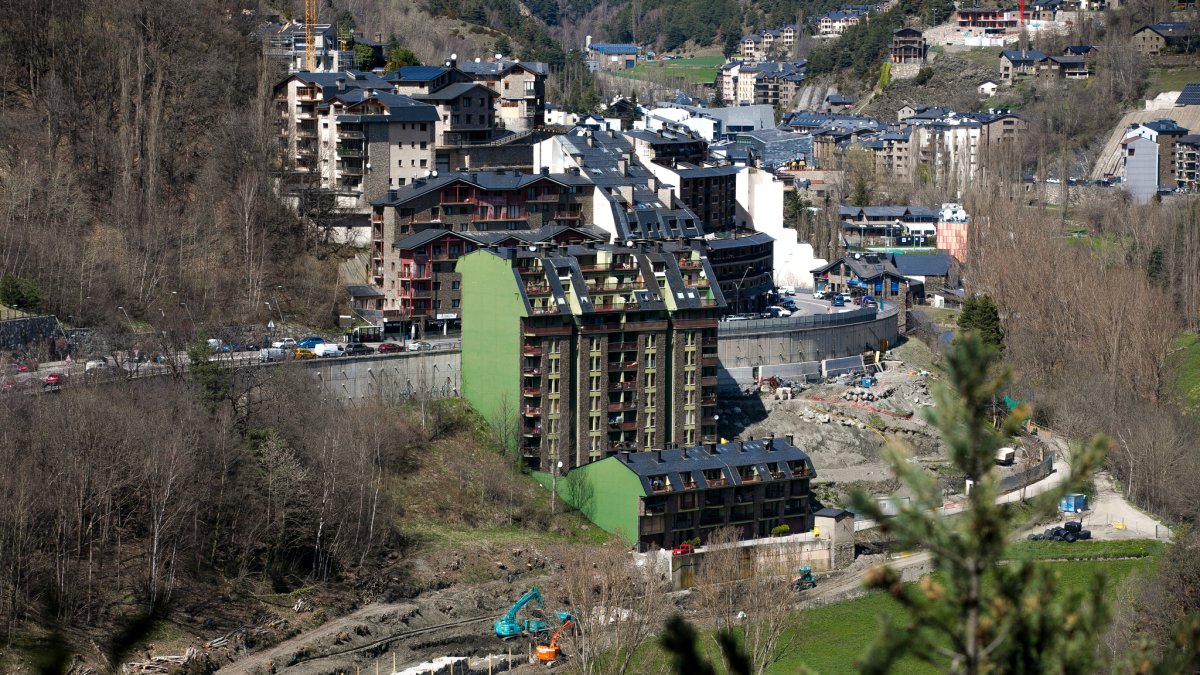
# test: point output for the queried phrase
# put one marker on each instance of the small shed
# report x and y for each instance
(1073, 503)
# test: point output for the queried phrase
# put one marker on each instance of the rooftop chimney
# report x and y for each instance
(545, 171)
(391, 194)
(454, 60)
(341, 83)
(712, 448)
(658, 456)
(771, 443)
(791, 439)
(625, 456)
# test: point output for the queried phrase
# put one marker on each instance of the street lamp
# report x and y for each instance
(189, 310)
(129, 320)
(278, 308)
(737, 301)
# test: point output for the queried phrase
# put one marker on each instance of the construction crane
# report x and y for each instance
(310, 47)
(550, 653)
(507, 626)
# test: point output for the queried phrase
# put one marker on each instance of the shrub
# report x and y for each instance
(780, 531)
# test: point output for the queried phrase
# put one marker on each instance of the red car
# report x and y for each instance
(683, 549)
(388, 347)
(53, 379)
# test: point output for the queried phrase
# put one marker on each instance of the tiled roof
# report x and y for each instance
(725, 457)
(453, 91)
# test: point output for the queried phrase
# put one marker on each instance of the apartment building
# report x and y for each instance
(908, 46)
(660, 499)
(770, 42)
(349, 137)
(420, 229)
(988, 20)
(287, 42)
(840, 20)
(596, 349)
(1166, 37)
(1187, 162)
(1017, 63)
(520, 87)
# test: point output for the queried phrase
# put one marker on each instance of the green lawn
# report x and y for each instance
(1171, 79)
(1186, 364)
(835, 635)
(1084, 550)
(695, 70)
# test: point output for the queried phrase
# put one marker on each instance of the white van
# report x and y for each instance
(271, 354)
(329, 350)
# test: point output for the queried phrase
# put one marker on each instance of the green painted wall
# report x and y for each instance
(607, 492)
(491, 335)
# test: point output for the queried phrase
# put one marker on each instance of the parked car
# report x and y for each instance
(272, 354)
(53, 379)
(838, 300)
(789, 305)
(304, 353)
(329, 350)
(419, 346)
(285, 343)
(821, 295)
(683, 549)
(777, 312)
(862, 300)
(389, 347)
(359, 349)
(311, 341)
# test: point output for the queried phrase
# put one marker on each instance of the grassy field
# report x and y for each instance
(695, 70)
(835, 635)
(1171, 79)
(1084, 550)
(1186, 363)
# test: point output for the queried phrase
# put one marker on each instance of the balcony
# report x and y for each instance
(540, 311)
(351, 135)
(531, 270)
(546, 330)
(568, 215)
(716, 482)
(532, 432)
(610, 307)
(708, 381)
(418, 293)
(531, 411)
(532, 392)
(622, 346)
(622, 386)
(622, 446)
(602, 288)
(622, 365)
(622, 406)
(350, 169)
(537, 290)
(687, 264)
(531, 350)
(343, 151)
(419, 274)
(709, 341)
(710, 438)
(304, 132)
(531, 372)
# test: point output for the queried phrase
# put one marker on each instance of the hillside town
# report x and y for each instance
(544, 338)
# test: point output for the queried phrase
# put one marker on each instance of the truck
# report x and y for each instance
(1006, 456)
(329, 350)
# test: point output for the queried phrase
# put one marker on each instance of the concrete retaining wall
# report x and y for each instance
(781, 341)
(390, 377)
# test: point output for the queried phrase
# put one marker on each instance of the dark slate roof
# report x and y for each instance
(838, 99)
(1190, 139)
(423, 237)
(488, 180)
(501, 67)
(417, 73)
(738, 242)
(1067, 60)
(888, 211)
(1189, 96)
(1170, 29)
(400, 108)
(1026, 56)
(363, 291)
(453, 91)
(725, 457)
(1164, 125)
(605, 48)
(830, 512)
(1079, 50)
(922, 265)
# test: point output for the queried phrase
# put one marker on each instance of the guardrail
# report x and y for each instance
(791, 323)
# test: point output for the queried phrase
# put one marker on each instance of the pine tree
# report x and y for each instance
(975, 615)
(979, 314)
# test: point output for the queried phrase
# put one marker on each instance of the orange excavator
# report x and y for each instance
(551, 653)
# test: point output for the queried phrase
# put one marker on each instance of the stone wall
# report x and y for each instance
(393, 377)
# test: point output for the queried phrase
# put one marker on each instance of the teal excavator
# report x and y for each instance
(508, 626)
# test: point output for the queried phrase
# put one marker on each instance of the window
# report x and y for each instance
(594, 383)
(454, 119)
(455, 303)
(649, 420)
(455, 285)
(424, 145)
(468, 118)
(553, 385)
(423, 129)
(649, 399)
(530, 87)
(648, 361)
(466, 103)
(649, 380)
(424, 163)
(595, 363)
(594, 423)
(437, 304)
